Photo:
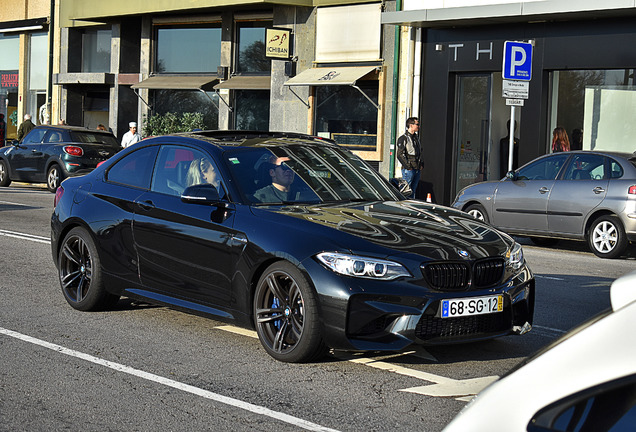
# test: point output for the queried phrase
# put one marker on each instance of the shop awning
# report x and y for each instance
(161, 82)
(330, 76)
(241, 82)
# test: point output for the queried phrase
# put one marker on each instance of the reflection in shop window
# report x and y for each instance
(251, 47)
(596, 108)
(188, 101)
(251, 110)
(96, 50)
(344, 114)
(202, 53)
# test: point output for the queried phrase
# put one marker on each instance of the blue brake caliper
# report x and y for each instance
(276, 305)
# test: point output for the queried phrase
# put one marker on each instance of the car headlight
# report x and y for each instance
(362, 267)
(514, 256)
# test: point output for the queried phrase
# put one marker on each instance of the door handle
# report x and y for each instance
(146, 205)
(598, 190)
(544, 190)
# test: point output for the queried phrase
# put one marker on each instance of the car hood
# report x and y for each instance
(396, 228)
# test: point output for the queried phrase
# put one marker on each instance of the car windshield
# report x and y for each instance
(304, 174)
(94, 138)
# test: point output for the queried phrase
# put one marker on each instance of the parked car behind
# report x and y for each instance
(584, 381)
(49, 154)
(579, 195)
(288, 234)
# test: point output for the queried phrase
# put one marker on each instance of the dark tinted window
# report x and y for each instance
(53, 136)
(135, 169)
(34, 137)
(94, 137)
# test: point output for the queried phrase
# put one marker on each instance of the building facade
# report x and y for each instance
(319, 67)
(582, 79)
(25, 62)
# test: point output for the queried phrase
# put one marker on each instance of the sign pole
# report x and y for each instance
(511, 143)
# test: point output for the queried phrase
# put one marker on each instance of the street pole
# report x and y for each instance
(511, 144)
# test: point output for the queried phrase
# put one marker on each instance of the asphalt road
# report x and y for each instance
(143, 368)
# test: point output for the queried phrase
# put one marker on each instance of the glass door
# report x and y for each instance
(472, 129)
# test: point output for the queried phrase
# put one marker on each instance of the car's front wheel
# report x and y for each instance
(607, 237)
(286, 315)
(54, 177)
(80, 273)
(477, 211)
(4, 174)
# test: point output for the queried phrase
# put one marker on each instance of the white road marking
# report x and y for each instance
(15, 204)
(24, 236)
(548, 277)
(294, 421)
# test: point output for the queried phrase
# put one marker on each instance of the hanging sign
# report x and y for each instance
(277, 43)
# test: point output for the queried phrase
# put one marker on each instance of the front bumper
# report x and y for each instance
(370, 315)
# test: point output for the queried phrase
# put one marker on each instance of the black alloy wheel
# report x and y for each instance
(607, 237)
(4, 174)
(53, 177)
(286, 316)
(477, 211)
(80, 273)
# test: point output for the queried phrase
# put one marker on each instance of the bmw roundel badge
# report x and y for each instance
(462, 253)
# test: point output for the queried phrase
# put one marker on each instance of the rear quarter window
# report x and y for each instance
(134, 169)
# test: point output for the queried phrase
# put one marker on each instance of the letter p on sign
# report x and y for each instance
(517, 61)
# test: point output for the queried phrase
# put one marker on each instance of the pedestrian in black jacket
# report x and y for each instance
(25, 127)
(409, 154)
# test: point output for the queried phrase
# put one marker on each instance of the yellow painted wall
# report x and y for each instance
(15, 10)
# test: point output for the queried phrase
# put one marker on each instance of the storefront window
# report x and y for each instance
(251, 47)
(38, 67)
(473, 130)
(343, 113)
(188, 49)
(96, 50)
(251, 110)
(188, 101)
(9, 75)
(596, 108)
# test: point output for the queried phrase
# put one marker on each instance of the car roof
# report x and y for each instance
(234, 138)
(72, 128)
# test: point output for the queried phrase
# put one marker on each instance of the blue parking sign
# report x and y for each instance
(517, 61)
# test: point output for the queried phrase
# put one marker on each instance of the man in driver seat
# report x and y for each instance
(282, 179)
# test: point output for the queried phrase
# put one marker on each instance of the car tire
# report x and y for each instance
(54, 177)
(286, 315)
(606, 237)
(80, 273)
(4, 174)
(478, 212)
(544, 241)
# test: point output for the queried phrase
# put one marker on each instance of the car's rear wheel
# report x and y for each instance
(544, 241)
(54, 177)
(80, 273)
(607, 237)
(478, 212)
(4, 174)
(286, 315)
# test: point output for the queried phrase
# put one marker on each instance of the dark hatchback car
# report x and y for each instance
(337, 260)
(49, 154)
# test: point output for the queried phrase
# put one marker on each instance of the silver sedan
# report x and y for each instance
(579, 195)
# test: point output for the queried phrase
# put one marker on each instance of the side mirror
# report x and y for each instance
(15, 142)
(512, 175)
(201, 194)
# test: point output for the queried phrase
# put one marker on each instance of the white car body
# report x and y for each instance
(597, 353)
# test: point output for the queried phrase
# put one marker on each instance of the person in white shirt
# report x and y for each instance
(131, 136)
